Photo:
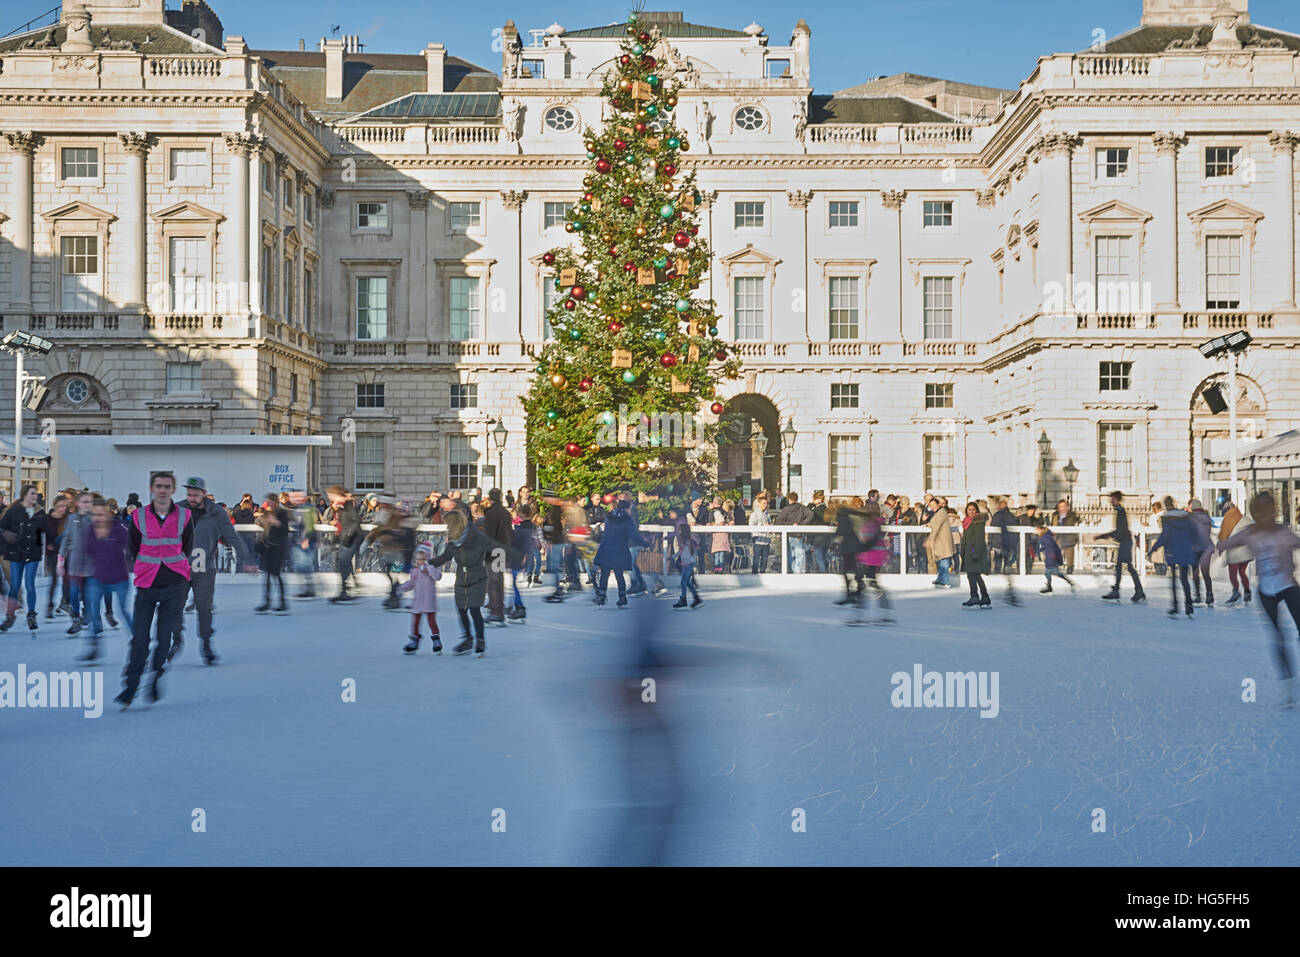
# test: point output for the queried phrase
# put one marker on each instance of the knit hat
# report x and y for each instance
(424, 548)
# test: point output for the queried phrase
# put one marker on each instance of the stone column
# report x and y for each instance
(1165, 241)
(418, 325)
(894, 199)
(23, 146)
(240, 146)
(1056, 245)
(1284, 144)
(134, 228)
(799, 199)
(513, 199)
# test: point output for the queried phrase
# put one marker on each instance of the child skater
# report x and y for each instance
(687, 555)
(421, 582)
(874, 553)
(1050, 549)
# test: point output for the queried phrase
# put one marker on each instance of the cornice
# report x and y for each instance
(491, 161)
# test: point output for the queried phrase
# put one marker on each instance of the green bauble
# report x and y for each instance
(683, 305)
(666, 211)
(608, 418)
(651, 109)
(661, 336)
(591, 156)
(652, 80)
(638, 49)
(654, 441)
(661, 262)
(575, 335)
(557, 282)
(540, 369)
(673, 143)
(551, 415)
(713, 330)
(629, 376)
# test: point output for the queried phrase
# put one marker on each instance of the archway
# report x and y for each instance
(1208, 431)
(749, 445)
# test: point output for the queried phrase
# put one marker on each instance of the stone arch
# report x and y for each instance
(1204, 425)
(72, 414)
(761, 419)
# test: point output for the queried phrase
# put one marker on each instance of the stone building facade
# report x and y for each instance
(345, 242)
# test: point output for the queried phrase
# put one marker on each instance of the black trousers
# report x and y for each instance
(203, 586)
(1291, 598)
(978, 590)
(169, 602)
(476, 613)
(618, 577)
(1179, 571)
(1119, 574)
(343, 562)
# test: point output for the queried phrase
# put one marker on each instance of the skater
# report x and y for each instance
(107, 545)
(1050, 549)
(1122, 537)
(347, 536)
(161, 539)
(496, 525)
(940, 543)
(55, 521)
(1204, 552)
(1066, 516)
(303, 542)
(761, 541)
(425, 600)
(394, 539)
(469, 547)
(614, 554)
(848, 519)
(1238, 556)
(553, 535)
(1007, 562)
(873, 554)
(687, 557)
(975, 556)
(1178, 538)
(271, 545)
(1273, 546)
(21, 527)
(211, 527)
(522, 542)
(75, 566)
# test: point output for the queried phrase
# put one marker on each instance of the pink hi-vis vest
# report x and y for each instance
(160, 544)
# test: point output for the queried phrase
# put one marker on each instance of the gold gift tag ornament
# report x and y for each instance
(645, 275)
(568, 277)
(687, 202)
(693, 353)
(641, 91)
(683, 267)
(679, 385)
(621, 359)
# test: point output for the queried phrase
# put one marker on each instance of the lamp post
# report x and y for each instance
(499, 437)
(1071, 476)
(21, 343)
(788, 435)
(1234, 344)
(1044, 452)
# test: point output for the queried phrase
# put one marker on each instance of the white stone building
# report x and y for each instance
(923, 276)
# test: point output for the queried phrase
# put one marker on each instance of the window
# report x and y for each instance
(464, 395)
(266, 279)
(844, 461)
(937, 212)
(843, 213)
(274, 384)
(938, 395)
(188, 263)
(372, 307)
(287, 185)
(187, 167)
(465, 315)
(289, 303)
(555, 214)
(77, 390)
(561, 119)
(268, 175)
(749, 307)
(1114, 274)
(1112, 162)
(183, 377)
(749, 215)
(370, 395)
(293, 388)
(370, 462)
(180, 428)
(937, 307)
(534, 68)
(372, 215)
(307, 301)
(309, 208)
(551, 296)
(844, 395)
(1115, 455)
(776, 69)
(1221, 161)
(1222, 272)
(749, 118)
(80, 283)
(844, 307)
(464, 216)
(311, 390)
(938, 468)
(80, 164)
(464, 463)
(1115, 376)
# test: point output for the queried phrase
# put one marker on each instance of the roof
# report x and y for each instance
(154, 38)
(899, 82)
(1156, 39)
(370, 80)
(1277, 451)
(32, 449)
(439, 106)
(670, 24)
(872, 109)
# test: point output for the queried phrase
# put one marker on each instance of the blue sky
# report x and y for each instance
(993, 42)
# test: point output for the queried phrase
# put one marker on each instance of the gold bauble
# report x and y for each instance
(559, 381)
(646, 305)
(626, 307)
(640, 232)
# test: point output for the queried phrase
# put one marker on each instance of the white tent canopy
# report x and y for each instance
(1275, 457)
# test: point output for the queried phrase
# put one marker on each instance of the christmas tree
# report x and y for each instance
(624, 393)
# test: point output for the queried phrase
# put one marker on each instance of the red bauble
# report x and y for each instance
(615, 326)
(640, 127)
(669, 168)
(629, 267)
(625, 59)
(585, 384)
(603, 165)
(720, 355)
(648, 62)
(620, 145)
(578, 292)
(548, 258)
(613, 250)
(570, 305)
(589, 196)
(668, 360)
(694, 230)
(681, 240)
(643, 37)
(627, 201)
(716, 408)
(574, 449)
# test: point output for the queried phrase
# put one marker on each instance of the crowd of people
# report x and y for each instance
(91, 549)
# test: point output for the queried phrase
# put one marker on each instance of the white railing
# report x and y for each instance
(938, 133)
(846, 133)
(1106, 65)
(185, 66)
(462, 135)
(372, 134)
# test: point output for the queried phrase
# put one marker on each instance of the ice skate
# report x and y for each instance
(412, 646)
(1139, 598)
(282, 609)
(123, 701)
(7, 623)
(437, 645)
(154, 692)
(1112, 595)
(1045, 590)
(985, 603)
(75, 627)
(31, 620)
(622, 601)
(90, 655)
(971, 603)
(480, 647)
(465, 646)
(178, 643)
(209, 656)
(1247, 596)
(680, 603)
(1233, 598)
(263, 608)
(697, 602)
(108, 617)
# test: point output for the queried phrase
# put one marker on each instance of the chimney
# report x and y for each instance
(435, 57)
(333, 70)
(302, 44)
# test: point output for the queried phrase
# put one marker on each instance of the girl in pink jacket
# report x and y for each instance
(422, 583)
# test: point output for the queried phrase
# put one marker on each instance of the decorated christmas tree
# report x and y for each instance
(624, 393)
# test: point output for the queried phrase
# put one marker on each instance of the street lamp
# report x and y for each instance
(22, 343)
(1234, 344)
(1044, 452)
(499, 437)
(788, 435)
(1071, 476)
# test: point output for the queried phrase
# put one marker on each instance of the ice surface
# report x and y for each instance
(765, 702)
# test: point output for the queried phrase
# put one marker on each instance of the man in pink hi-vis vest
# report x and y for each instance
(162, 536)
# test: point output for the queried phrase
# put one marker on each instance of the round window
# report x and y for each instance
(561, 119)
(77, 391)
(749, 118)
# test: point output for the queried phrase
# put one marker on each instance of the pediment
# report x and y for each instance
(1012, 236)
(1115, 210)
(79, 212)
(749, 254)
(187, 212)
(1226, 209)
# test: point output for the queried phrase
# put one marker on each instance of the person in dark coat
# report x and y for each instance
(468, 547)
(348, 536)
(848, 519)
(975, 556)
(1065, 515)
(497, 526)
(272, 548)
(614, 553)
(1204, 552)
(1178, 539)
(1122, 537)
(21, 528)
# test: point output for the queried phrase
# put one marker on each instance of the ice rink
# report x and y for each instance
(772, 739)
